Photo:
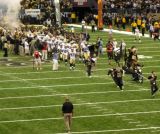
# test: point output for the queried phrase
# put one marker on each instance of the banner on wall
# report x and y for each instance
(80, 3)
(32, 12)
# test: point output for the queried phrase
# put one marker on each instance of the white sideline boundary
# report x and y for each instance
(80, 104)
(79, 117)
(114, 130)
(107, 30)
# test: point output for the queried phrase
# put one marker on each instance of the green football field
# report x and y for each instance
(31, 101)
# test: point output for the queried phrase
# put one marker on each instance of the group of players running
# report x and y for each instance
(71, 51)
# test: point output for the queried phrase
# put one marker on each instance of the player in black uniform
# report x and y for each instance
(117, 74)
(153, 83)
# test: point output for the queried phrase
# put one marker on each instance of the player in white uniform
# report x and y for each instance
(72, 57)
(110, 33)
(137, 34)
(115, 43)
(65, 54)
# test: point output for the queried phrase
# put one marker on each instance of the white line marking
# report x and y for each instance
(128, 119)
(114, 130)
(72, 94)
(134, 122)
(39, 79)
(46, 65)
(70, 71)
(67, 85)
(103, 110)
(149, 51)
(114, 31)
(80, 104)
(109, 112)
(79, 117)
(155, 131)
(141, 125)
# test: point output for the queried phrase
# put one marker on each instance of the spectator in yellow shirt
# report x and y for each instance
(143, 28)
(134, 25)
(139, 23)
(124, 22)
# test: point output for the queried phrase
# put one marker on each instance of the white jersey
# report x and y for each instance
(137, 32)
(72, 55)
(115, 44)
(83, 23)
(123, 45)
(110, 31)
(26, 45)
(65, 51)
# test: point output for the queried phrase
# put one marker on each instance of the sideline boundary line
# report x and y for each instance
(107, 30)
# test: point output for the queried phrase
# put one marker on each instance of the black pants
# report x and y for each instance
(124, 25)
(89, 67)
(5, 52)
(154, 89)
(156, 37)
(119, 82)
(143, 31)
(93, 28)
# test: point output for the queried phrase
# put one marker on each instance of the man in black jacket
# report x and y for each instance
(67, 111)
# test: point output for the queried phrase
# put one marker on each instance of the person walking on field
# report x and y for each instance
(93, 25)
(67, 111)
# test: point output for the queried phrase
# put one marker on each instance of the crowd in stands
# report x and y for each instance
(136, 6)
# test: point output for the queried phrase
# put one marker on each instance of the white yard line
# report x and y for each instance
(128, 119)
(149, 52)
(67, 69)
(94, 104)
(134, 122)
(72, 94)
(81, 117)
(67, 85)
(75, 70)
(60, 78)
(114, 130)
(88, 93)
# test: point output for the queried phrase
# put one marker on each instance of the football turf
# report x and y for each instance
(31, 101)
